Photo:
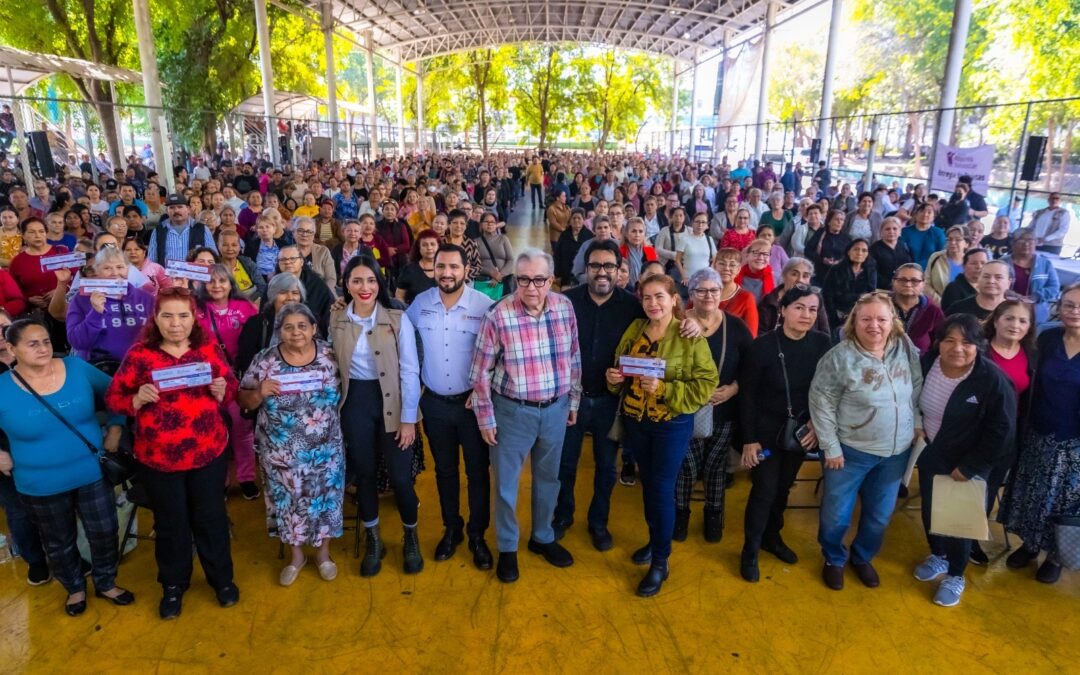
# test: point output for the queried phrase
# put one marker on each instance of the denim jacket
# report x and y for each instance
(1043, 287)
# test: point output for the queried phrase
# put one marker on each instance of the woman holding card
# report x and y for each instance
(295, 387)
(658, 412)
(173, 382)
(102, 325)
(969, 416)
(37, 284)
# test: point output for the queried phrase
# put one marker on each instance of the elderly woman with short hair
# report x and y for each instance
(258, 332)
(296, 388)
(795, 271)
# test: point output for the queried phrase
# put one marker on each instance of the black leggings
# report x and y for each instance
(366, 436)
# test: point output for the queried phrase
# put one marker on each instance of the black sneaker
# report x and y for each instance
(249, 490)
(172, 602)
(628, 476)
(978, 556)
(228, 595)
(38, 574)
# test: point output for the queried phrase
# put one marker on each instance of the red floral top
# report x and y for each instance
(185, 428)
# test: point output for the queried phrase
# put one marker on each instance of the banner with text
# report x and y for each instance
(952, 162)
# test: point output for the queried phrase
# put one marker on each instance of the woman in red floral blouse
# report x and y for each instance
(180, 440)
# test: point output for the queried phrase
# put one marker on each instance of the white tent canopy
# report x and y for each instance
(21, 69)
(294, 106)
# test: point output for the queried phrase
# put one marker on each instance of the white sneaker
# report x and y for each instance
(931, 568)
(949, 592)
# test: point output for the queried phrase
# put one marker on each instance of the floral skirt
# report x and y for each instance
(1046, 484)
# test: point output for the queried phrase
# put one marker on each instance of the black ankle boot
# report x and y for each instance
(748, 566)
(374, 552)
(414, 561)
(714, 525)
(682, 525)
(654, 579)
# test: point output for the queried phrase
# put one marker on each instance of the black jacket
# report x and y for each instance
(565, 252)
(979, 424)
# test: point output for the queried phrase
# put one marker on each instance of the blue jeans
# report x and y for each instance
(876, 481)
(595, 416)
(659, 449)
(25, 540)
(524, 431)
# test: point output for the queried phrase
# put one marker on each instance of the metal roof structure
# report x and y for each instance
(26, 68)
(420, 29)
(289, 105)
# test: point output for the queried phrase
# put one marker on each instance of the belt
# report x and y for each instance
(449, 398)
(533, 404)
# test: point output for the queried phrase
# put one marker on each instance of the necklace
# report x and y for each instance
(724, 296)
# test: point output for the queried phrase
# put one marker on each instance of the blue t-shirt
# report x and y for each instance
(68, 241)
(49, 459)
(923, 243)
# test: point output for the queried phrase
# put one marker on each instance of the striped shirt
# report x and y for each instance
(525, 357)
(935, 396)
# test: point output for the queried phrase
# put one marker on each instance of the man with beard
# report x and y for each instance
(448, 319)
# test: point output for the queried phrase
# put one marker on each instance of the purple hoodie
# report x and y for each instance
(109, 334)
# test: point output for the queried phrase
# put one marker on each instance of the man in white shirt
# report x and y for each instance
(1051, 225)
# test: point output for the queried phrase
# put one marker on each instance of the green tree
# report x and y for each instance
(541, 89)
(612, 92)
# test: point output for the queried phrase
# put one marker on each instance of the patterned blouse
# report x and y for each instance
(637, 403)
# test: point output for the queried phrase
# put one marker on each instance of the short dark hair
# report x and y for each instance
(970, 330)
(453, 248)
(608, 245)
(457, 213)
(13, 333)
(974, 251)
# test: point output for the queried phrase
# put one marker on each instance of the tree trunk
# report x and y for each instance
(100, 99)
(483, 122)
(209, 134)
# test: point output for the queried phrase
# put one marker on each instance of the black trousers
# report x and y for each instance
(365, 436)
(771, 482)
(191, 505)
(448, 425)
(956, 551)
(536, 191)
(54, 517)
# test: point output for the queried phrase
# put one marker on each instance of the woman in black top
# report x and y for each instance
(419, 274)
(889, 253)
(763, 412)
(827, 246)
(854, 275)
(729, 339)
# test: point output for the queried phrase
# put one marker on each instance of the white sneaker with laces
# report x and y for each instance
(931, 568)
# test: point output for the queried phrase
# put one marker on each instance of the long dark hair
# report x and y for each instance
(1027, 343)
(383, 296)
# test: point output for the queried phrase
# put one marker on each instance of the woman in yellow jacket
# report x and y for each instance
(947, 264)
(657, 414)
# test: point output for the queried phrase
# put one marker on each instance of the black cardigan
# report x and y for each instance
(979, 424)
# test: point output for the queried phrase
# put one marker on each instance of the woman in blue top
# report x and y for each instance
(923, 237)
(54, 471)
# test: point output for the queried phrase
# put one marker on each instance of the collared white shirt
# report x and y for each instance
(448, 337)
(362, 365)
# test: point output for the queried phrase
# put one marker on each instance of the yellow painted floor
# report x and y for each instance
(454, 618)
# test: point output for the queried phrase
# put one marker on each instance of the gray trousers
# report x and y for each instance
(524, 431)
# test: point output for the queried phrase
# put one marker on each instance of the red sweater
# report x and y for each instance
(11, 297)
(742, 305)
(184, 430)
(26, 269)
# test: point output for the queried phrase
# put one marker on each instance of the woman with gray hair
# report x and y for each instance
(729, 339)
(102, 326)
(795, 271)
(296, 388)
(258, 333)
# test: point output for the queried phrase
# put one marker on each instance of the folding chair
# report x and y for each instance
(814, 457)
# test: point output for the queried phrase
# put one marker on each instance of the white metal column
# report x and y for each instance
(152, 91)
(369, 60)
(331, 76)
(400, 111)
(693, 101)
(954, 62)
(20, 133)
(674, 105)
(266, 70)
(763, 91)
(420, 105)
(824, 127)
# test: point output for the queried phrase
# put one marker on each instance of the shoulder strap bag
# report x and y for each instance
(116, 468)
(786, 439)
(703, 418)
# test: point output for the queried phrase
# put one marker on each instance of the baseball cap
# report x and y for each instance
(176, 199)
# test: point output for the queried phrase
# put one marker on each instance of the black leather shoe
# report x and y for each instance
(414, 561)
(75, 608)
(373, 554)
(682, 525)
(122, 600)
(228, 595)
(978, 556)
(748, 567)
(654, 579)
(553, 553)
(833, 576)
(781, 550)
(642, 556)
(1049, 572)
(171, 602)
(601, 539)
(507, 570)
(444, 550)
(560, 527)
(481, 553)
(714, 525)
(38, 574)
(1021, 558)
(867, 574)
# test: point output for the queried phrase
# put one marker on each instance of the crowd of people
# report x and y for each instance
(298, 333)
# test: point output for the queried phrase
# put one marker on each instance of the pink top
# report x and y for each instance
(229, 320)
(156, 274)
(1016, 369)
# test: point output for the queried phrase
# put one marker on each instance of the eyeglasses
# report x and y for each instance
(759, 254)
(908, 280)
(305, 232)
(808, 288)
(1069, 307)
(292, 258)
(538, 282)
(607, 267)
(707, 292)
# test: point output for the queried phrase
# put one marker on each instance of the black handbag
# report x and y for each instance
(785, 439)
(117, 468)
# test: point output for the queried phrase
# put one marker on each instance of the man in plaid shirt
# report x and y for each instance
(526, 379)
